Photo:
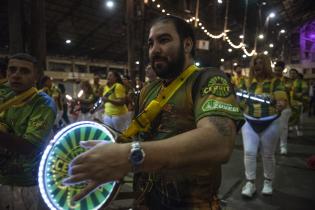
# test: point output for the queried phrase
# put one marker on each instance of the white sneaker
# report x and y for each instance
(283, 151)
(249, 189)
(267, 189)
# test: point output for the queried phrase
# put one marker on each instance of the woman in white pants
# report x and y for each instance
(114, 96)
(286, 113)
(284, 129)
(262, 127)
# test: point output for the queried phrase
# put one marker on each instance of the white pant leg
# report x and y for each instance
(251, 144)
(98, 115)
(269, 140)
(121, 122)
(284, 126)
(107, 120)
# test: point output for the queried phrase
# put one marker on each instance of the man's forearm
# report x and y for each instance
(15, 144)
(200, 147)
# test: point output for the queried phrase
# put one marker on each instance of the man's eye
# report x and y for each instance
(164, 40)
(25, 70)
(11, 69)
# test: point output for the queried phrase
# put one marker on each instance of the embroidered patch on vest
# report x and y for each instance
(211, 105)
(217, 86)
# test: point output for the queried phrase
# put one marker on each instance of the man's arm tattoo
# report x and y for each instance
(222, 124)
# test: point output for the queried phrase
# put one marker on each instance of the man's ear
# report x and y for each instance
(188, 44)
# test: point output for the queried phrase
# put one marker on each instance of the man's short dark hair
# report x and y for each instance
(280, 64)
(184, 29)
(25, 57)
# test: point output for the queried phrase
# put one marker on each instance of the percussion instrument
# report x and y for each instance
(62, 149)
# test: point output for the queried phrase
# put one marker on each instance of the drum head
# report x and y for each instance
(54, 168)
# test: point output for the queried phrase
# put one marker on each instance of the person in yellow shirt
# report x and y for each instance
(114, 97)
(297, 93)
(237, 79)
(262, 127)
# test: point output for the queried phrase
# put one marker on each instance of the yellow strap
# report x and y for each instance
(44, 89)
(3, 81)
(143, 121)
(18, 99)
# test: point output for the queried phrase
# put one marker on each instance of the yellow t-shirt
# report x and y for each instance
(118, 92)
(237, 81)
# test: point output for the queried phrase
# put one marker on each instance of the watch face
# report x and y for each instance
(137, 157)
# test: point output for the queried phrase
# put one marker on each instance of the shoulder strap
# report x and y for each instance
(18, 99)
(147, 90)
(143, 121)
(110, 91)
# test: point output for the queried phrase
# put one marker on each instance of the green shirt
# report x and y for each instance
(299, 90)
(33, 122)
(205, 93)
(5, 92)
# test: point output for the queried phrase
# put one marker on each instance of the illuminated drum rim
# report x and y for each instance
(107, 191)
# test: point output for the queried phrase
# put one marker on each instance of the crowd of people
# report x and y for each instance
(178, 150)
(280, 107)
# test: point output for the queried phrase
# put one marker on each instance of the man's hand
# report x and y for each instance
(103, 162)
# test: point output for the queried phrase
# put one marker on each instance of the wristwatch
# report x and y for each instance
(136, 156)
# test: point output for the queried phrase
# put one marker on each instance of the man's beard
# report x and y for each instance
(172, 68)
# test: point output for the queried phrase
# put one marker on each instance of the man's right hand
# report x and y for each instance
(103, 162)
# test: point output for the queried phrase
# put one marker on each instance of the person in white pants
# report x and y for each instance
(284, 129)
(267, 140)
(286, 113)
(262, 127)
(119, 123)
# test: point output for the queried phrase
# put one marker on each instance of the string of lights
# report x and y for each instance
(200, 25)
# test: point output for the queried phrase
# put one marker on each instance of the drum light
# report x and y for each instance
(54, 193)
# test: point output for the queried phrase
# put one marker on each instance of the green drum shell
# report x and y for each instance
(54, 168)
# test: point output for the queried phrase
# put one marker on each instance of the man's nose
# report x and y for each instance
(156, 49)
(17, 73)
